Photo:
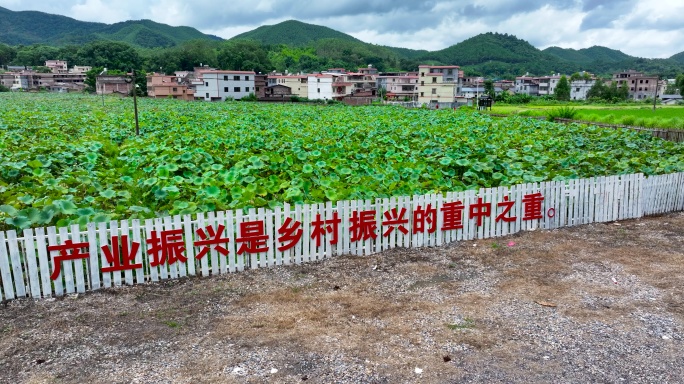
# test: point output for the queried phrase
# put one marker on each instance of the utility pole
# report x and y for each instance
(131, 79)
(135, 105)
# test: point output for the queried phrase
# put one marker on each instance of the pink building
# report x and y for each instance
(163, 86)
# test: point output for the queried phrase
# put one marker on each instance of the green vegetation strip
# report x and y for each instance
(66, 159)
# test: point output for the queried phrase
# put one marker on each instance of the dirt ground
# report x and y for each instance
(595, 303)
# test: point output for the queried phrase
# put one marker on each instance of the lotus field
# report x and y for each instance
(68, 159)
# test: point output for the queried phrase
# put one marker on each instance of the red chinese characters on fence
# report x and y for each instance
(168, 246)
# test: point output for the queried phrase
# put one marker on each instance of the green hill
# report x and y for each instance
(293, 32)
(31, 27)
(499, 55)
(588, 55)
(678, 57)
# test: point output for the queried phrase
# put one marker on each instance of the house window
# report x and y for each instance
(646, 81)
(257, 89)
(576, 89)
(434, 80)
(225, 89)
(206, 84)
(175, 89)
(319, 90)
(247, 78)
(225, 77)
(434, 91)
(422, 94)
(207, 96)
(422, 83)
(236, 78)
(236, 89)
(641, 81)
(318, 80)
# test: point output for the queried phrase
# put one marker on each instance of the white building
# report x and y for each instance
(215, 85)
(321, 86)
(580, 88)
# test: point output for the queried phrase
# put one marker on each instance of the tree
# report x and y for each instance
(489, 88)
(110, 55)
(679, 82)
(244, 55)
(7, 54)
(597, 90)
(575, 76)
(34, 55)
(562, 91)
(623, 92)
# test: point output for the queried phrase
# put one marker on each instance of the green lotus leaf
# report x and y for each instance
(108, 194)
(9, 210)
(26, 199)
(212, 191)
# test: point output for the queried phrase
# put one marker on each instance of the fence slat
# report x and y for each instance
(5, 271)
(31, 264)
(44, 261)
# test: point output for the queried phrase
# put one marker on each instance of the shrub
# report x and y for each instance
(3, 88)
(250, 97)
(628, 120)
(565, 112)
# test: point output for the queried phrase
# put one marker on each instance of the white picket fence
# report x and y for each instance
(26, 264)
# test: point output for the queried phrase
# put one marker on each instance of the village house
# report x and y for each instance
(527, 85)
(219, 85)
(160, 86)
(439, 84)
(113, 84)
(278, 91)
(298, 84)
(580, 88)
(399, 86)
(260, 84)
(328, 86)
(640, 86)
(57, 66)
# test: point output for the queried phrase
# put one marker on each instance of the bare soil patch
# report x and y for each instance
(595, 303)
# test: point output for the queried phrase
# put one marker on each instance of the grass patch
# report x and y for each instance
(467, 323)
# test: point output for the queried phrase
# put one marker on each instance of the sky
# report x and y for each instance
(642, 28)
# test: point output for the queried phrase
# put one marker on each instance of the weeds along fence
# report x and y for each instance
(675, 135)
(46, 262)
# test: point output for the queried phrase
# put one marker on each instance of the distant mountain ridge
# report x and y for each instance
(487, 54)
(293, 32)
(32, 27)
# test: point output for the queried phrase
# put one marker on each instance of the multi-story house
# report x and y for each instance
(57, 66)
(399, 86)
(260, 84)
(640, 86)
(547, 85)
(580, 88)
(328, 86)
(160, 86)
(363, 81)
(215, 85)
(439, 84)
(527, 85)
(298, 84)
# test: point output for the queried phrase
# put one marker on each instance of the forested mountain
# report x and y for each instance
(293, 32)
(588, 55)
(32, 37)
(678, 57)
(31, 27)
